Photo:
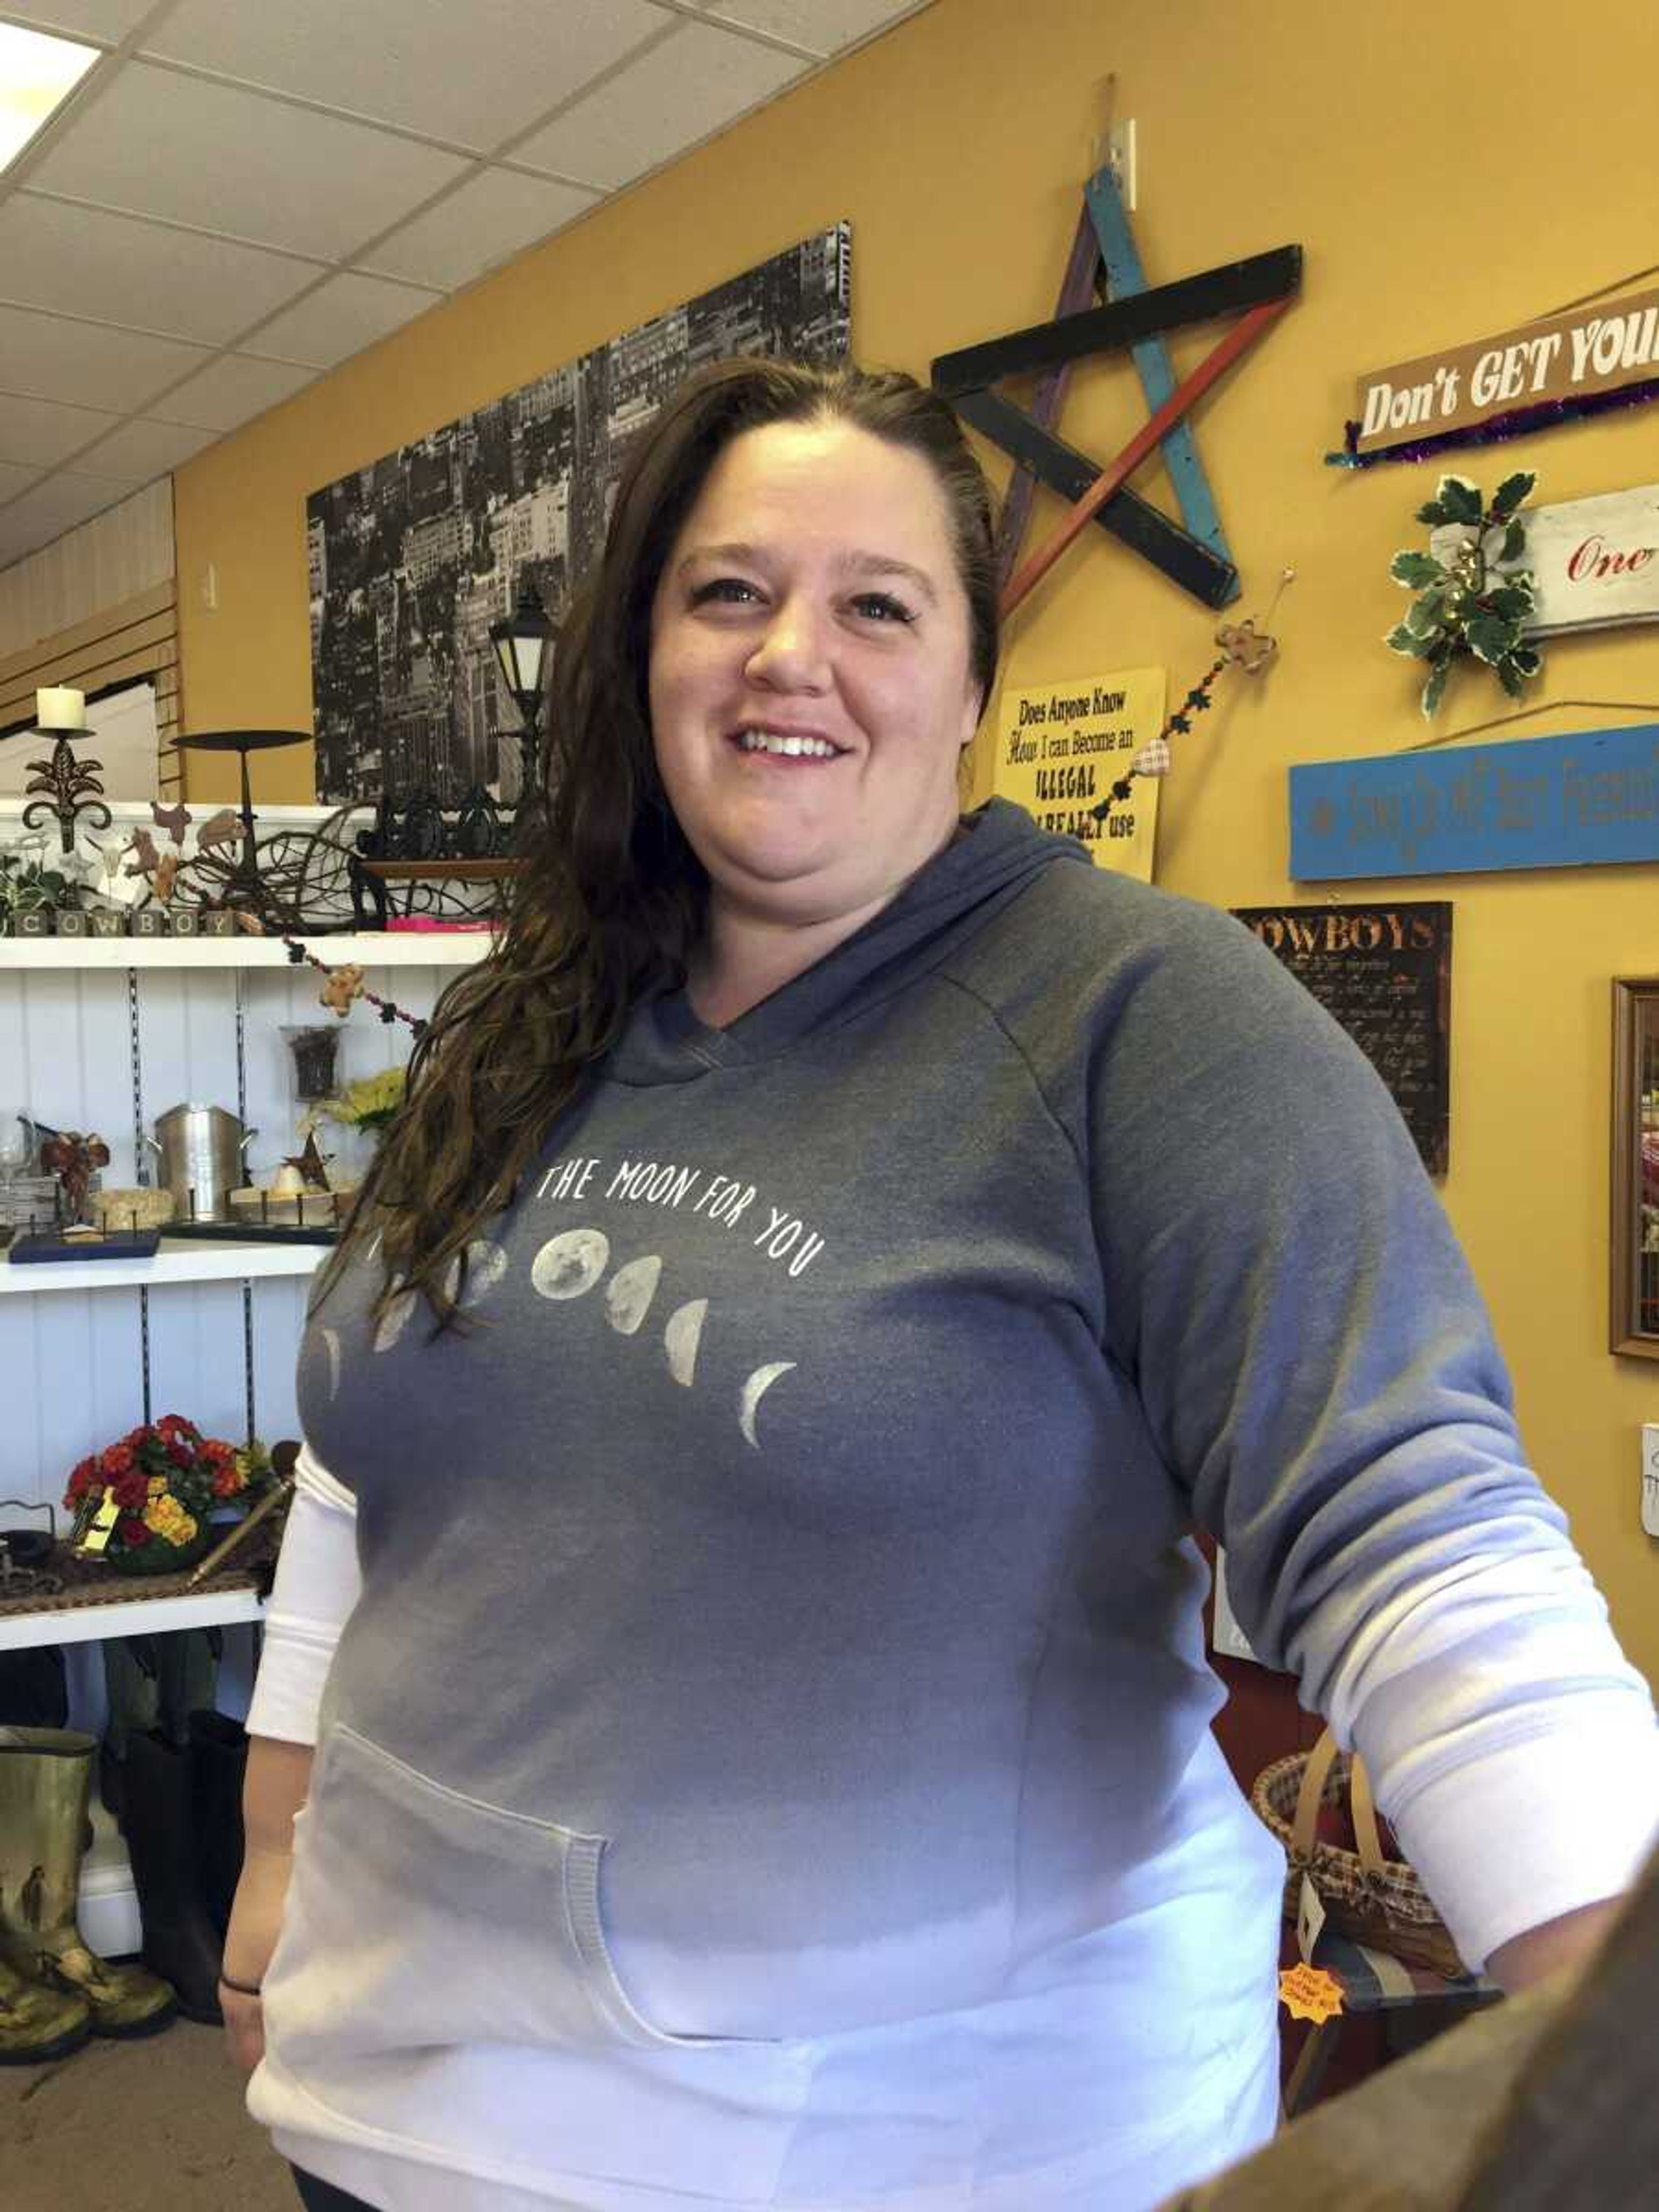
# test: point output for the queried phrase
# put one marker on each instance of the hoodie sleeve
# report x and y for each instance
(1318, 1370)
(316, 1588)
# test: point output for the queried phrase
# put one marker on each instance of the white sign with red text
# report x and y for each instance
(1595, 563)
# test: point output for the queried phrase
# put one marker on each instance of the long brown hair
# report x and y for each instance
(611, 900)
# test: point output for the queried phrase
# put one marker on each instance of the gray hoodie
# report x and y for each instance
(779, 1618)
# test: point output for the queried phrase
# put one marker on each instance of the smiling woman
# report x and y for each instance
(832, 1254)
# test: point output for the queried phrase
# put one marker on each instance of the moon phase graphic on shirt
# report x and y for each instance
(395, 1319)
(754, 1390)
(568, 1267)
(681, 1338)
(628, 1294)
(486, 1263)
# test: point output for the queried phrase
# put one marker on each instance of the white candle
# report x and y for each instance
(60, 709)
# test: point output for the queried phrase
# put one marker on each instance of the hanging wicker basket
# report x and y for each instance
(1366, 1895)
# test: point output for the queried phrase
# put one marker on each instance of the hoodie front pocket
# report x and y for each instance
(416, 1916)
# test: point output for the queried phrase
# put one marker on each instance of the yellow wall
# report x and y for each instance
(1450, 175)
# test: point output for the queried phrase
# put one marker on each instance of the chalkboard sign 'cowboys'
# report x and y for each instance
(1384, 973)
(1580, 356)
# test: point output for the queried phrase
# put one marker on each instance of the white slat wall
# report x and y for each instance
(71, 1375)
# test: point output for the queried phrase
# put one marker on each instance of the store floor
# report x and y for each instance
(156, 2125)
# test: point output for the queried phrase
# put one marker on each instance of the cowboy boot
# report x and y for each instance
(218, 1764)
(45, 1777)
(179, 1940)
(36, 2023)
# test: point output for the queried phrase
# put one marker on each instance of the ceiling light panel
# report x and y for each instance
(680, 92)
(475, 75)
(37, 75)
(158, 144)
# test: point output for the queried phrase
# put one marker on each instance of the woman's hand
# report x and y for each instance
(245, 2027)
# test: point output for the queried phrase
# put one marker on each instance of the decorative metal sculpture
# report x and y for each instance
(71, 787)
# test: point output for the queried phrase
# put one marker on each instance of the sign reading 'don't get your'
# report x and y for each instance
(1059, 748)
(1568, 357)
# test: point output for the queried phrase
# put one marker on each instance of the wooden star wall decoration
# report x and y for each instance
(1257, 289)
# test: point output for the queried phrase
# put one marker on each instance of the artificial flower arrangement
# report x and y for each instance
(371, 1103)
(163, 1479)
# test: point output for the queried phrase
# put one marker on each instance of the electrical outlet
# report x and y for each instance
(1650, 1477)
(1121, 161)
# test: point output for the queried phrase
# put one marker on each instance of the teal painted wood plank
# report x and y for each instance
(1125, 277)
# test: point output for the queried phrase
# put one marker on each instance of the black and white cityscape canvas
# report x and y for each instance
(413, 556)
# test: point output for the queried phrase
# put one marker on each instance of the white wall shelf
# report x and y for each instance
(397, 948)
(140, 1616)
(180, 1260)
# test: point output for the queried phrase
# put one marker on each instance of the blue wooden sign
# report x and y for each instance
(1573, 802)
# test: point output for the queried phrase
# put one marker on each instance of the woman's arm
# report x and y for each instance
(317, 1587)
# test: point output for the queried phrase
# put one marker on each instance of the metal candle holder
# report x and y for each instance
(71, 787)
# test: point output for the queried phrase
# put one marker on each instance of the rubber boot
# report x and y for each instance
(218, 1762)
(179, 1941)
(45, 1775)
(37, 2023)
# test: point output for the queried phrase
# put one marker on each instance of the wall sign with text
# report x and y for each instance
(1594, 563)
(1384, 973)
(1586, 353)
(1060, 747)
(1581, 801)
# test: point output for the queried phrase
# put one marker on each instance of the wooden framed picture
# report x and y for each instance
(1634, 1328)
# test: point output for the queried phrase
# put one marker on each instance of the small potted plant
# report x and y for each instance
(163, 1481)
(30, 894)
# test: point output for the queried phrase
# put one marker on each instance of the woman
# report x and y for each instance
(833, 1254)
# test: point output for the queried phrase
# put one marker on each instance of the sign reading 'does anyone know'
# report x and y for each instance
(1580, 801)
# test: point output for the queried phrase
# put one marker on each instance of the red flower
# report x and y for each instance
(226, 1482)
(181, 1455)
(173, 1427)
(132, 1490)
(118, 1460)
(131, 1529)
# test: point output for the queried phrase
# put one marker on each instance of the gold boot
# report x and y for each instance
(45, 1777)
(37, 2024)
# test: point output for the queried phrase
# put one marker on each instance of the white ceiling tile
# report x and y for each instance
(14, 479)
(56, 359)
(233, 391)
(92, 19)
(76, 259)
(158, 144)
(340, 318)
(474, 74)
(141, 450)
(824, 25)
(43, 432)
(493, 216)
(680, 92)
(58, 503)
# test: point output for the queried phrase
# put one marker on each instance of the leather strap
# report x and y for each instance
(1361, 1804)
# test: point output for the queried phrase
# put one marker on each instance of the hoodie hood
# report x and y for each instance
(956, 895)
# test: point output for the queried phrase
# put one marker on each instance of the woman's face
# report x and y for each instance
(810, 683)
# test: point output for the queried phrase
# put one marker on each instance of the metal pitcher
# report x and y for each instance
(201, 1149)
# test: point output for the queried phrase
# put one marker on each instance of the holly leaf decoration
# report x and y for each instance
(1526, 660)
(1511, 677)
(1511, 493)
(1490, 638)
(1416, 570)
(1515, 541)
(1459, 499)
(1511, 602)
(1435, 686)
